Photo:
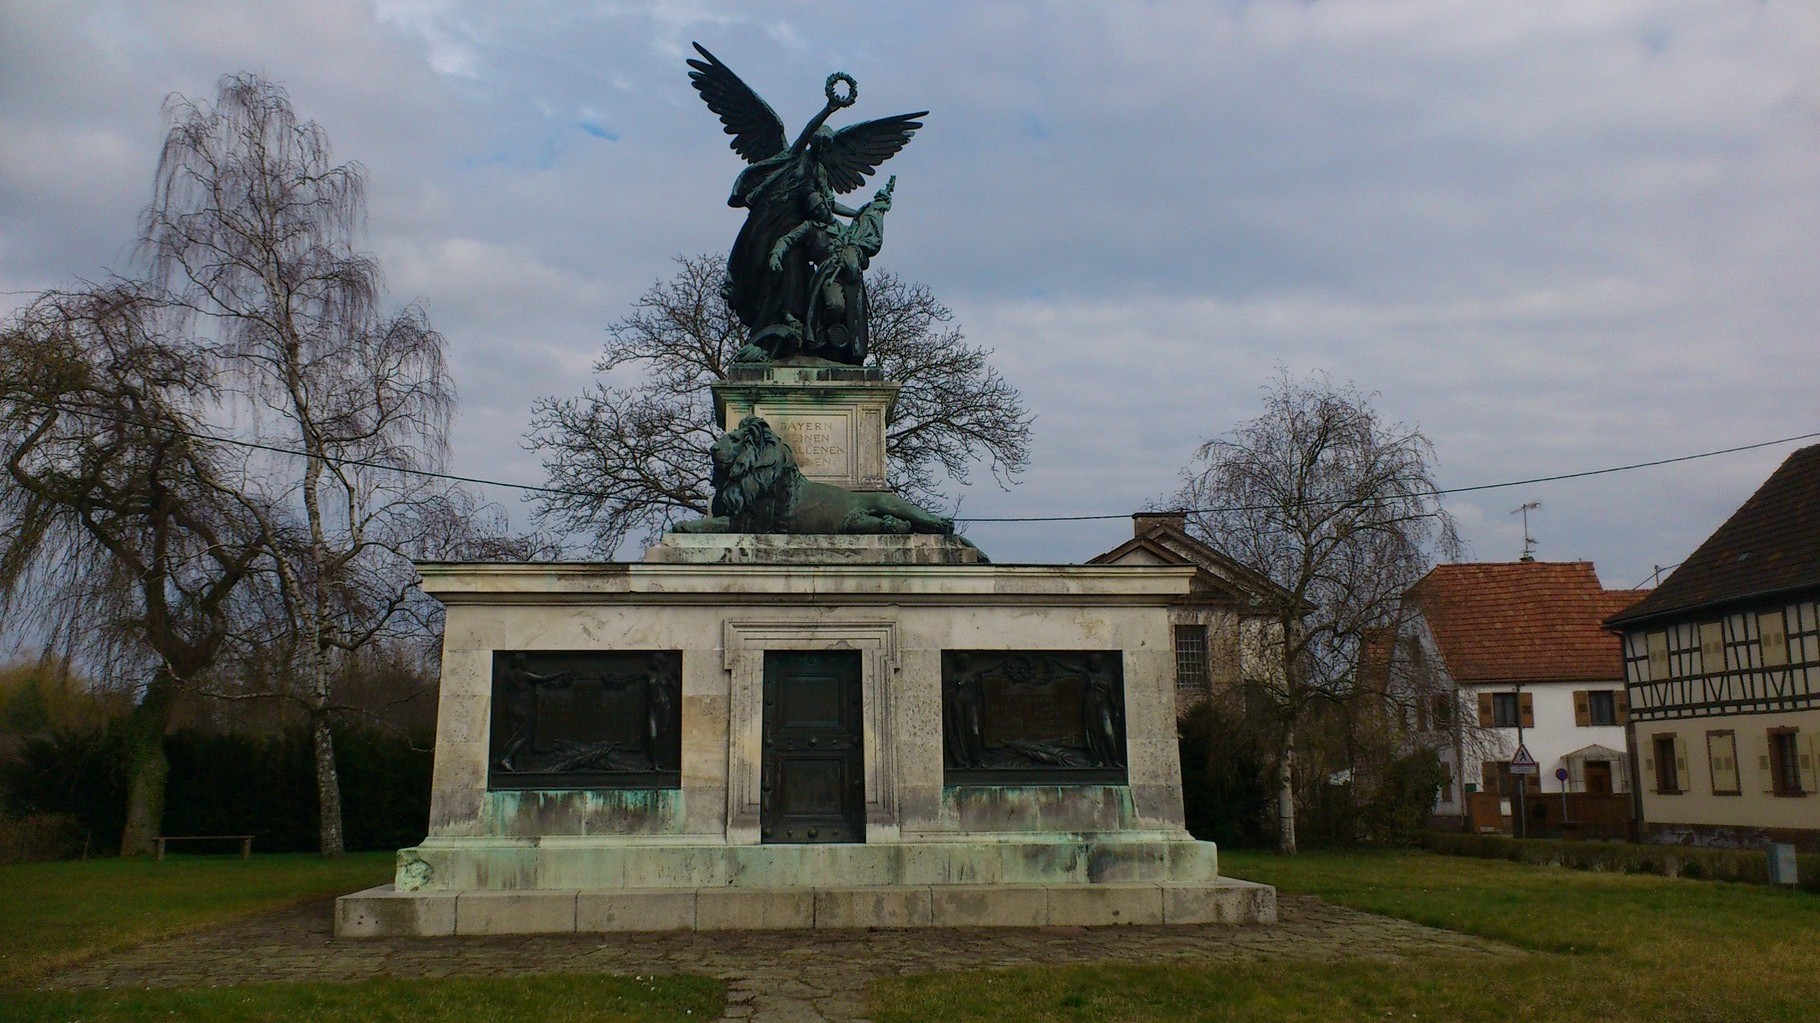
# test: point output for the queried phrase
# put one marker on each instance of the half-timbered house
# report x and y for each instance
(1722, 664)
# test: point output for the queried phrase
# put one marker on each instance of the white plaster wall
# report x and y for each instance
(1554, 736)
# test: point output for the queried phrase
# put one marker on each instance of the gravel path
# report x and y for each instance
(772, 976)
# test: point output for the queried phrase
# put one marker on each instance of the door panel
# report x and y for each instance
(814, 757)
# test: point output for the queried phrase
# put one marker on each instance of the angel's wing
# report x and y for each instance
(757, 132)
(856, 150)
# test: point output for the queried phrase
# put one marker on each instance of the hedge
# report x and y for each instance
(225, 783)
(1743, 865)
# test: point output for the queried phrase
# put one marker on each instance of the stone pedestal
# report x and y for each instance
(832, 416)
(932, 849)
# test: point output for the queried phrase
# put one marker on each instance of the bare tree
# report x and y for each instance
(1339, 509)
(119, 536)
(252, 230)
(633, 456)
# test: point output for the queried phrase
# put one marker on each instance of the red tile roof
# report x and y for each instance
(1770, 545)
(1522, 621)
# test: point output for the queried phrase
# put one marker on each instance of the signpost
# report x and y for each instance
(1521, 765)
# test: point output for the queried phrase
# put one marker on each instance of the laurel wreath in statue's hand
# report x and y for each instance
(835, 99)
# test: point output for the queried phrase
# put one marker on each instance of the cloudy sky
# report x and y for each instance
(1557, 236)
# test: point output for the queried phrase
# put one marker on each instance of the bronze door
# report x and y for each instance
(814, 760)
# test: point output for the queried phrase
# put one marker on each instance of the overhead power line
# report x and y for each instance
(567, 492)
(1454, 490)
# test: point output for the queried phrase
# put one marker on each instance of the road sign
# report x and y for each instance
(1523, 763)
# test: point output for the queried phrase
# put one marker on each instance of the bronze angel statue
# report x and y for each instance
(793, 277)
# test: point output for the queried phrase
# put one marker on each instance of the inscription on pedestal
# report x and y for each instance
(823, 445)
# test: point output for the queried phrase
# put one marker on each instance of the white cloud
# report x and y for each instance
(1557, 235)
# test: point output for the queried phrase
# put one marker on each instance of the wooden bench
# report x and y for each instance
(246, 842)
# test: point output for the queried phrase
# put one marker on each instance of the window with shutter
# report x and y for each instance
(1504, 712)
(1658, 656)
(1785, 762)
(1491, 776)
(1602, 707)
(1722, 762)
(1772, 636)
(1712, 648)
(1668, 782)
(1442, 712)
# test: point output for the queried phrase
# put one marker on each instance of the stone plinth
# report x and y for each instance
(760, 548)
(933, 848)
(385, 912)
(832, 416)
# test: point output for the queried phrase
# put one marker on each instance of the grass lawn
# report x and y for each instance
(1603, 947)
(542, 999)
(57, 913)
(52, 914)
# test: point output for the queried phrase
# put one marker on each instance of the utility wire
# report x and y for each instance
(565, 492)
(1459, 490)
(275, 449)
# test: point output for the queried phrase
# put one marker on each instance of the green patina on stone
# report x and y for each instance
(1058, 808)
(586, 812)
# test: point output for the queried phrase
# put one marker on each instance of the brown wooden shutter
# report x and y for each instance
(1681, 765)
(1485, 718)
(1582, 708)
(1526, 707)
(1772, 633)
(1712, 648)
(1763, 764)
(1805, 749)
(1621, 703)
(1658, 656)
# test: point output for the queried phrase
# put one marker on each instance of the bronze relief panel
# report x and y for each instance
(1033, 717)
(579, 719)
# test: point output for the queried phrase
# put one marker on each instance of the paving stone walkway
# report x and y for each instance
(772, 976)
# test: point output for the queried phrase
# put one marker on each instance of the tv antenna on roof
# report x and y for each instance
(1529, 542)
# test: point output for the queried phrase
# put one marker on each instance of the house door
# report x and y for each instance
(813, 780)
(1598, 777)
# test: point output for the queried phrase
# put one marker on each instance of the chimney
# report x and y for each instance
(1145, 522)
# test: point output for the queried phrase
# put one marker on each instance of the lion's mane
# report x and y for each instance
(756, 489)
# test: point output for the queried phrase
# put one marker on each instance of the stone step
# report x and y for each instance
(384, 912)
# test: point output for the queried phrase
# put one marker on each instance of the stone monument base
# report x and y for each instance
(385, 912)
(873, 812)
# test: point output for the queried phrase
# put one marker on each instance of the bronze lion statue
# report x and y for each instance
(759, 489)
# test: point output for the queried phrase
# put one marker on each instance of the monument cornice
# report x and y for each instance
(949, 585)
